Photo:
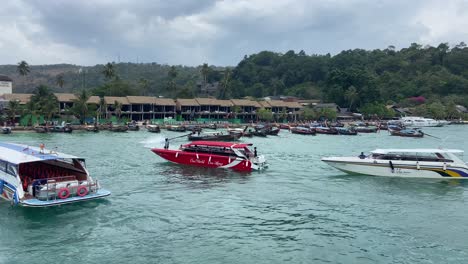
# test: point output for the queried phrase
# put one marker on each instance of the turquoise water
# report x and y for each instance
(299, 210)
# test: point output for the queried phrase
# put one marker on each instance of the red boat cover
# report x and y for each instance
(218, 144)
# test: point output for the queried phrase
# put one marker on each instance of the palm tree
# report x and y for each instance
(31, 110)
(13, 109)
(172, 74)
(43, 102)
(59, 81)
(225, 82)
(23, 68)
(351, 95)
(109, 71)
(144, 85)
(102, 108)
(205, 70)
(118, 109)
(80, 105)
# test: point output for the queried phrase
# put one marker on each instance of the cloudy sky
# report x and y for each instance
(218, 32)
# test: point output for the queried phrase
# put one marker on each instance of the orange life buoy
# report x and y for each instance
(82, 191)
(63, 193)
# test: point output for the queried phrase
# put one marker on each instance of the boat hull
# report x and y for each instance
(101, 193)
(206, 160)
(397, 169)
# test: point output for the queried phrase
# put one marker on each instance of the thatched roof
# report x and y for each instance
(22, 98)
(164, 101)
(4, 78)
(65, 97)
(141, 99)
(264, 104)
(187, 102)
(94, 100)
(110, 100)
(243, 102)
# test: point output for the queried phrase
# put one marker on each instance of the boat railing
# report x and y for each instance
(62, 187)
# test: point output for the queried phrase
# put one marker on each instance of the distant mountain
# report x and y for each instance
(78, 77)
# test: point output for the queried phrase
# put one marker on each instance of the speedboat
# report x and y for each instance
(415, 121)
(412, 163)
(37, 177)
(214, 154)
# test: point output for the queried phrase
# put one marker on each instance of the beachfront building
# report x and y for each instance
(65, 100)
(110, 101)
(164, 108)
(188, 108)
(6, 85)
(246, 110)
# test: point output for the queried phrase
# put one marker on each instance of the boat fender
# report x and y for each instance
(417, 165)
(64, 193)
(445, 166)
(229, 160)
(177, 154)
(197, 156)
(209, 159)
(391, 166)
(82, 191)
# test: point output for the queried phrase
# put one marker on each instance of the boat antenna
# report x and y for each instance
(167, 139)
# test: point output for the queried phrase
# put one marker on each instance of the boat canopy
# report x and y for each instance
(218, 144)
(386, 151)
(18, 153)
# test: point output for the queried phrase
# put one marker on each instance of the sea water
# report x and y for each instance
(299, 210)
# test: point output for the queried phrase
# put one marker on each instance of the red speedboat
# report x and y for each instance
(214, 154)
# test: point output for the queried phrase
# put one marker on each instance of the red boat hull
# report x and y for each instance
(204, 159)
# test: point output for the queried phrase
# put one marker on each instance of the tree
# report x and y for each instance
(44, 102)
(144, 86)
(172, 74)
(118, 109)
(60, 81)
(351, 95)
(23, 68)
(264, 114)
(109, 71)
(205, 70)
(225, 83)
(14, 108)
(80, 105)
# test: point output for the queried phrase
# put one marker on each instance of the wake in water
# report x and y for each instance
(152, 142)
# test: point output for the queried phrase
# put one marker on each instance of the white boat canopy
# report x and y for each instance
(18, 153)
(386, 151)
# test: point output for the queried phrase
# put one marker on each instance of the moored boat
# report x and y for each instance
(365, 129)
(416, 121)
(303, 131)
(407, 133)
(326, 130)
(349, 131)
(66, 128)
(36, 177)
(133, 127)
(413, 163)
(153, 128)
(176, 128)
(6, 130)
(214, 154)
(41, 129)
(92, 128)
(118, 128)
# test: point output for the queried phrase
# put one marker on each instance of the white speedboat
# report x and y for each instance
(415, 121)
(37, 177)
(415, 163)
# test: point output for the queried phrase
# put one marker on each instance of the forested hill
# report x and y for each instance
(350, 78)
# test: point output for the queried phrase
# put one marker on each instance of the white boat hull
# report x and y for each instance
(400, 169)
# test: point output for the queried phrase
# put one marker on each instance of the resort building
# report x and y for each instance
(110, 102)
(188, 108)
(245, 110)
(65, 100)
(6, 85)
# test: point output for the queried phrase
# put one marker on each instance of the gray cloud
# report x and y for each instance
(218, 32)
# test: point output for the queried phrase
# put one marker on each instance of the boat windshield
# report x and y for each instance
(429, 157)
(209, 149)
